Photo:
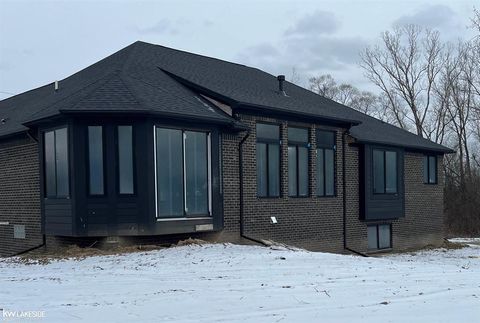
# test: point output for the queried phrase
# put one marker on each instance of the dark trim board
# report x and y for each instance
(380, 206)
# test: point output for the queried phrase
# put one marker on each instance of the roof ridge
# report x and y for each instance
(200, 55)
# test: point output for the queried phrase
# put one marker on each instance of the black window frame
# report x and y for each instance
(268, 142)
(45, 190)
(87, 155)
(426, 159)
(134, 161)
(321, 148)
(377, 226)
(210, 192)
(384, 152)
(296, 145)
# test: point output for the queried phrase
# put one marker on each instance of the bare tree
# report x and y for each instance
(405, 68)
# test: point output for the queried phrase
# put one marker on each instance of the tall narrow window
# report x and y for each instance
(385, 172)
(297, 161)
(268, 160)
(95, 160)
(430, 169)
(325, 163)
(183, 174)
(196, 172)
(125, 160)
(56, 163)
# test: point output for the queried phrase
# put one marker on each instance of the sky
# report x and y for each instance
(44, 41)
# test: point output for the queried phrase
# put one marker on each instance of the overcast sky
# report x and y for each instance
(41, 42)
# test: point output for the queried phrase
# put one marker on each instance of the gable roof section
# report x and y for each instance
(159, 80)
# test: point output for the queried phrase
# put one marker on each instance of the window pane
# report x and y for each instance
(261, 169)
(372, 236)
(425, 169)
(320, 173)
(329, 172)
(196, 172)
(61, 156)
(298, 134)
(325, 138)
(432, 165)
(125, 159)
(292, 171)
(391, 172)
(274, 170)
(50, 182)
(169, 172)
(302, 171)
(378, 172)
(95, 160)
(384, 240)
(268, 131)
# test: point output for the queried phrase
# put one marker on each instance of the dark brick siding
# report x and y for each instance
(312, 222)
(316, 223)
(19, 194)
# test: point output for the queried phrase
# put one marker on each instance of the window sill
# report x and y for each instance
(184, 219)
(378, 251)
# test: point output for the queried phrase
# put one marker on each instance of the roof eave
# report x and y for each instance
(442, 149)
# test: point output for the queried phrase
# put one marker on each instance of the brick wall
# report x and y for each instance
(311, 222)
(19, 194)
(316, 223)
(423, 223)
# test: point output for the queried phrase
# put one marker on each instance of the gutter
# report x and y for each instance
(240, 175)
(344, 198)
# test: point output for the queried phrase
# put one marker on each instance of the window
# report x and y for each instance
(95, 160)
(379, 236)
(430, 169)
(56, 163)
(268, 160)
(125, 160)
(183, 173)
(384, 171)
(297, 161)
(325, 163)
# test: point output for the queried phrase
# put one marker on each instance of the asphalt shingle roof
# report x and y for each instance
(139, 78)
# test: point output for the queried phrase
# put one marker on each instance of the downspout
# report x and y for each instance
(240, 175)
(344, 193)
(44, 238)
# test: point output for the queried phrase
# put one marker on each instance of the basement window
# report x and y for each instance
(379, 236)
(430, 169)
(56, 163)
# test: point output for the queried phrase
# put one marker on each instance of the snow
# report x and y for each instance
(232, 283)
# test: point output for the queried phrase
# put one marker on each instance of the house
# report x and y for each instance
(157, 144)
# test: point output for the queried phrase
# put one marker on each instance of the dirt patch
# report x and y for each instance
(190, 241)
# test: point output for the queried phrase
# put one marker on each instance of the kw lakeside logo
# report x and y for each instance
(8, 315)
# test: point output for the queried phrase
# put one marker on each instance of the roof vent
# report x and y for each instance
(3, 121)
(55, 86)
(281, 79)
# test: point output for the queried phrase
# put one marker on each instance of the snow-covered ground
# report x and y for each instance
(230, 283)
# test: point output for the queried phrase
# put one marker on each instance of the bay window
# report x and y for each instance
(56, 163)
(183, 175)
(95, 160)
